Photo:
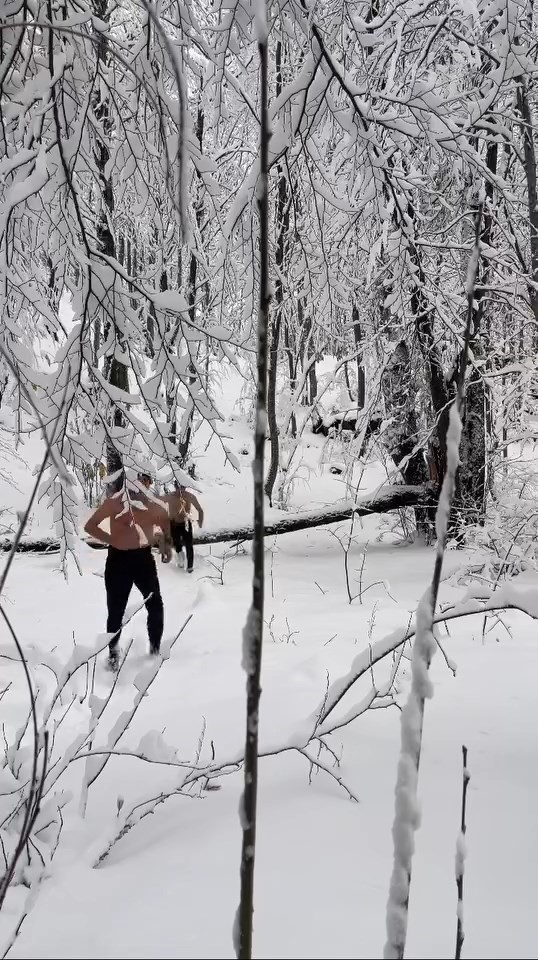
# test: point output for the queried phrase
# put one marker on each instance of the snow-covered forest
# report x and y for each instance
(269, 293)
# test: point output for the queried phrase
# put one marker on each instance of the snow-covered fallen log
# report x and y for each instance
(387, 498)
(31, 545)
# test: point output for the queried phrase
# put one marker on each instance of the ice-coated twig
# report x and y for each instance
(406, 816)
(81, 657)
(322, 744)
(35, 887)
(316, 762)
(40, 738)
(203, 775)
(461, 854)
(37, 779)
(505, 597)
(97, 708)
(135, 816)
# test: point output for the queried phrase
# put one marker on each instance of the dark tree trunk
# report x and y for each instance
(282, 226)
(531, 177)
(472, 481)
(185, 439)
(402, 436)
(253, 631)
(292, 367)
(361, 379)
(115, 371)
(306, 355)
(312, 383)
(439, 390)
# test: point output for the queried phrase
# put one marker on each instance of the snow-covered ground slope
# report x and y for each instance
(170, 886)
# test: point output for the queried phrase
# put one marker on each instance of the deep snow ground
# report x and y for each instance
(170, 888)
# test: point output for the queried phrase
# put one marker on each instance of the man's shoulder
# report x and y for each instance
(111, 505)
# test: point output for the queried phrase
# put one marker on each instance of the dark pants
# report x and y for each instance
(182, 537)
(123, 569)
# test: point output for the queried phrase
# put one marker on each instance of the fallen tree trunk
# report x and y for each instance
(386, 499)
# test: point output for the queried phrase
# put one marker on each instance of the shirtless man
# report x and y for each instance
(180, 506)
(130, 561)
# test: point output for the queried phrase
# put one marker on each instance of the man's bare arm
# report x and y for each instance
(164, 542)
(92, 526)
(162, 520)
(196, 504)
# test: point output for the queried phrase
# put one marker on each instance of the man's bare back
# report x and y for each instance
(131, 526)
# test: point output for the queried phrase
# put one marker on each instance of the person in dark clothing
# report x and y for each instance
(180, 505)
(123, 570)
(181, 534)
(130, 561)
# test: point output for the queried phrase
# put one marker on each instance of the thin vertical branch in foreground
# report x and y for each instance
(253, 630)
(406, 816)
(461, 853)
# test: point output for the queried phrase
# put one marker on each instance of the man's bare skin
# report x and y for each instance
(180, 505)
(131, 527)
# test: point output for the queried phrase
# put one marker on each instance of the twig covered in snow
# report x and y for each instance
(406, 817)
(312, 733)
(461, 853)
(29, 795)
(32, 800)
(316, 762)
(142, 682)
(480, 601)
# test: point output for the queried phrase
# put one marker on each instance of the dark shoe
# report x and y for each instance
(113, 662)
(154, 650)
(190, 569)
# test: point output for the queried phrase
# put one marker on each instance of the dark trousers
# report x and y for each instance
(123, 569)
(182, 537)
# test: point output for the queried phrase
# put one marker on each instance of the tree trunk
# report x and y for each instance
(312, 384)
(361, 378)
(292, 368)
(253, 630)
(402, 436)
(472, 480)
(439, 390)
(185, 439)
(282, 225)
(531, 178)
(116, 372)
